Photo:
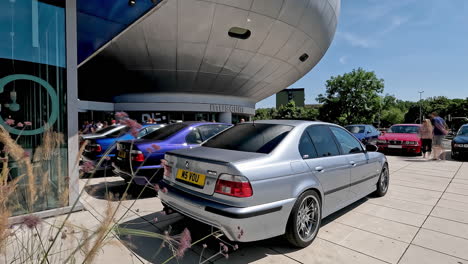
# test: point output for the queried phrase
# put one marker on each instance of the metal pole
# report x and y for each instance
(420, 106)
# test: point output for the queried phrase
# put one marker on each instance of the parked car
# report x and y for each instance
(97, 146)
(368, 134)
(402, 138)
(268, 178)
(460, 143)
(142, 158)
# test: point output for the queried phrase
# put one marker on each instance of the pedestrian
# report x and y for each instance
(105, 124)
(426, 134)
(242, 120)
(99, 125)
(440, 131)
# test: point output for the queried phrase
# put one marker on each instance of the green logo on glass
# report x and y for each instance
(53, 98)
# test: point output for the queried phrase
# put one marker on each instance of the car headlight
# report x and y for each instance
(382, 141)
(411, 143)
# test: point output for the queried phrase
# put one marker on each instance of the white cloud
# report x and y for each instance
(355, 40)
(397, 21)
(343, 59)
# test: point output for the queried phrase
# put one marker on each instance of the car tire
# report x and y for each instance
(307, 206)
(384, 182)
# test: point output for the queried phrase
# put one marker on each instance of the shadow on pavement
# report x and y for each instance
(249, 252)
(116, 189)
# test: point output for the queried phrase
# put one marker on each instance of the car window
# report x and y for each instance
(119, 132)
(404, 129)
(153, 128)
(142, 132)
(194, 137)
(248, 137)
(323, 141)
(463, 131)
(356, 129)
(165, 132)
(348, 143)
(208, 131)
(306, 147)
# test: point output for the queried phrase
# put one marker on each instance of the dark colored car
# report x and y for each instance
(367, 134)
(460, 143)
(142, 158)
(401, 138)
(98, 146)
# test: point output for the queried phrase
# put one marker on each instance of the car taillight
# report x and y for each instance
(97, 148)
(138, 156)
(237, 186)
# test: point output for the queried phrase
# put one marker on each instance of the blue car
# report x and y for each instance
(367, 134)
(98, 146)
(460, 144)
(140, 160)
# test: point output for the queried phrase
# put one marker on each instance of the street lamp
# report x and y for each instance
(420, 106)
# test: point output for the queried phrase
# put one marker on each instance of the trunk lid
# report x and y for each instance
(206, 163)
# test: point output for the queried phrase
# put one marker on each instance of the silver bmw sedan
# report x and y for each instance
(263, 179)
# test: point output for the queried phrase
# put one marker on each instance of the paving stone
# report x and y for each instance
(325, 252)
(384, 227)
(419, 255)
(455, 197)
(383, 248)
(454, 246)
(403, 205)
(446, 226)
(391, 214)
(450, 214)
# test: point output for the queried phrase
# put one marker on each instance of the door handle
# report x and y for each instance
(319, 168)
(352, 163)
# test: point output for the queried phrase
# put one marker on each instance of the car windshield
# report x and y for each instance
(463, 131)
(259, 138)
(356, 129)
(118, 133)
(165, 132)
(404, 129)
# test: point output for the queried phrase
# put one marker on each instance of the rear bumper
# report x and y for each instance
(241, 224)
(144, 177)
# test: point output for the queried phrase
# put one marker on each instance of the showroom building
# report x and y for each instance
(165, 59)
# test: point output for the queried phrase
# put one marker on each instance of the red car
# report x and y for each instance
(403, 138)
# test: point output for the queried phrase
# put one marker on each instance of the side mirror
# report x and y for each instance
(371, 148)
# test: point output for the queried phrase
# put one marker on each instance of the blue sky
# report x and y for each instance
(412, 44)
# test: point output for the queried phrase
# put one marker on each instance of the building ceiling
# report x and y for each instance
(183, 46)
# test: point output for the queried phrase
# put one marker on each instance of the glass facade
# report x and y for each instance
(33, 105)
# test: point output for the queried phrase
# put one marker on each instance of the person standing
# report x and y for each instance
(440, 131)
(426, 134)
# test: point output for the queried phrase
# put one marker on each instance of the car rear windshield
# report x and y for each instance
(356, 129)
(165, 132)
(404, 129)
(259, 138)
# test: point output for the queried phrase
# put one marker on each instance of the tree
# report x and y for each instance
(390, 116)
(264, 113)
(352, 98)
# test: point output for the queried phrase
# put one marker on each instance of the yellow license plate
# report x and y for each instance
(122, 154)
(191, 177)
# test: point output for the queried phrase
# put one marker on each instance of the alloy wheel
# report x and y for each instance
(307, 218)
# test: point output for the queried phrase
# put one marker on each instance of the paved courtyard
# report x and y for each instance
(422, 219)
